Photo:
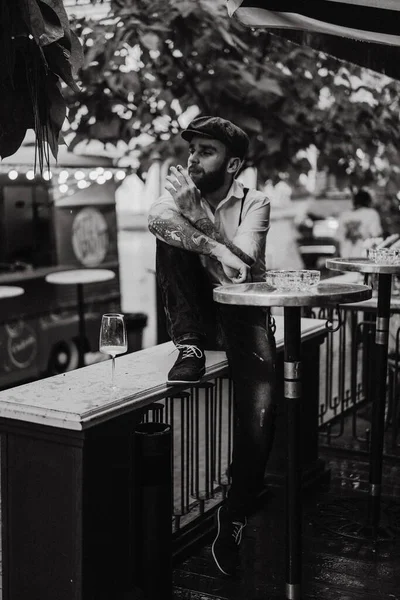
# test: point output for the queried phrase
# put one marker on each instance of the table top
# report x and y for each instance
(262, 294)
(80, 276)
(362, 265)
(11, 291)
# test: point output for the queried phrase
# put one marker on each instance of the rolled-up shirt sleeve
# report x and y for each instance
(162, 203)
(252, 232)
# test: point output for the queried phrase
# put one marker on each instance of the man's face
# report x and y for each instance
(207, 163)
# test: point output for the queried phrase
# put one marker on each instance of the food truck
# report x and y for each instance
(62, 219)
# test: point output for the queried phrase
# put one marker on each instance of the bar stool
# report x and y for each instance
(80, 277)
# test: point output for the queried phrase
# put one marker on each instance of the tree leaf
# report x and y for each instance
(58, 59)
(151, 41)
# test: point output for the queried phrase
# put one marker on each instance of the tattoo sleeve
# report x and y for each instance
(207, 227)
(171, 227)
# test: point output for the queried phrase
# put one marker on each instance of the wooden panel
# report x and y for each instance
(42, 519)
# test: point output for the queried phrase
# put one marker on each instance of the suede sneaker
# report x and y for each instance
(190, 365)
(225, 548)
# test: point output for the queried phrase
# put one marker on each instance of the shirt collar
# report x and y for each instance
(236, 192)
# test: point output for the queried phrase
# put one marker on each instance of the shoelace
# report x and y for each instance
(189, 350)
(237, 531)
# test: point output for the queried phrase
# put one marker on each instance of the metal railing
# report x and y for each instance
(202, 417)
(347, 375)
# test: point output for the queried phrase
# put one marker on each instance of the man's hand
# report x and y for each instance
(392, 242)
(185, 193)
(234, 268)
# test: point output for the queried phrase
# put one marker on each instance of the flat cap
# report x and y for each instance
(219, 129)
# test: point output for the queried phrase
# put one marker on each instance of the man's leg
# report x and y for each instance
(190, 311)
(251, 351)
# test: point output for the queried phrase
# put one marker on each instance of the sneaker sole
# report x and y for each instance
(213, 544)
(185, 381)
(182, 381)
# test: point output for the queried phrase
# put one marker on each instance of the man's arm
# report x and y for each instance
(208, 228)
(172, 228)
(187, 199)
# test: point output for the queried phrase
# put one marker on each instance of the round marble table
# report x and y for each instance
(80, 277)
(385, 273)
(10, 291)
(261, 294)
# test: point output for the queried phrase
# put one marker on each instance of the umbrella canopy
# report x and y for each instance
(365, 32)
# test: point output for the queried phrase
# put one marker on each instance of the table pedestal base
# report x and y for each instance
(392, 510)
(349, 517)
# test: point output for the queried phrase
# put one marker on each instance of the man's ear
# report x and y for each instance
(234, 165)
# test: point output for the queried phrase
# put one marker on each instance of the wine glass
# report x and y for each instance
(112, 338)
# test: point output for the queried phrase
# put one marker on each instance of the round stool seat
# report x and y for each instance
(80, 276)
(10, 291)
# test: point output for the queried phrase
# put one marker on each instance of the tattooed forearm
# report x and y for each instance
(175, 230)
(207, 227)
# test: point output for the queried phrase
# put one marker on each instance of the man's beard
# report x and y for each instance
(210, 182)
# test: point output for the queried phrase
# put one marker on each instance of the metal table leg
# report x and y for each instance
(82, 333)
(293, 495)
(379, 402)
(349, 516)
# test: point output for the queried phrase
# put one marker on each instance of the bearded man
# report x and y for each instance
(210, 231)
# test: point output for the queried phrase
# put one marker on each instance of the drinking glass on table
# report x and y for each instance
(113, 338)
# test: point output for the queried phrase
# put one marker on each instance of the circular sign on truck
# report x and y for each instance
(90, 237)
(22, 345)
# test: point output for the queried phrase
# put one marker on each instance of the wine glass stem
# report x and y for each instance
(113, 371)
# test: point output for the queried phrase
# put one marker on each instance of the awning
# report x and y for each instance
(365, 32)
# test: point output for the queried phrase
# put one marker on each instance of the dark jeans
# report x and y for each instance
(244, 334)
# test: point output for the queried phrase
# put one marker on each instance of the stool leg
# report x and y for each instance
(82, 334)
(293, 508)
(379, 401)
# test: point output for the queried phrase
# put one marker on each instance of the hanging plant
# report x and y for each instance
(38, 51)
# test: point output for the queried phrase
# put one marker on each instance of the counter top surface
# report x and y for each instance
(81, 398)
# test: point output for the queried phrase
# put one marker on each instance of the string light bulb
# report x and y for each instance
(63, 176)
(120, 175)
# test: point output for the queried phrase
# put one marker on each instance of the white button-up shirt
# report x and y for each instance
(246, 227)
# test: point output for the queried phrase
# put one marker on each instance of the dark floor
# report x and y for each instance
(334, 567)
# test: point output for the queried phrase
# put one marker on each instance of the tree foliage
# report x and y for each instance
(151, 60)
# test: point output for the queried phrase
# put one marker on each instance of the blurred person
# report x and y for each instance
(211, 230)
(357, 225)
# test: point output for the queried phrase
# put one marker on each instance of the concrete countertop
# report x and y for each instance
(82, 398)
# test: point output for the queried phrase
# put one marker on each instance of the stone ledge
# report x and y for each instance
(82, 398)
